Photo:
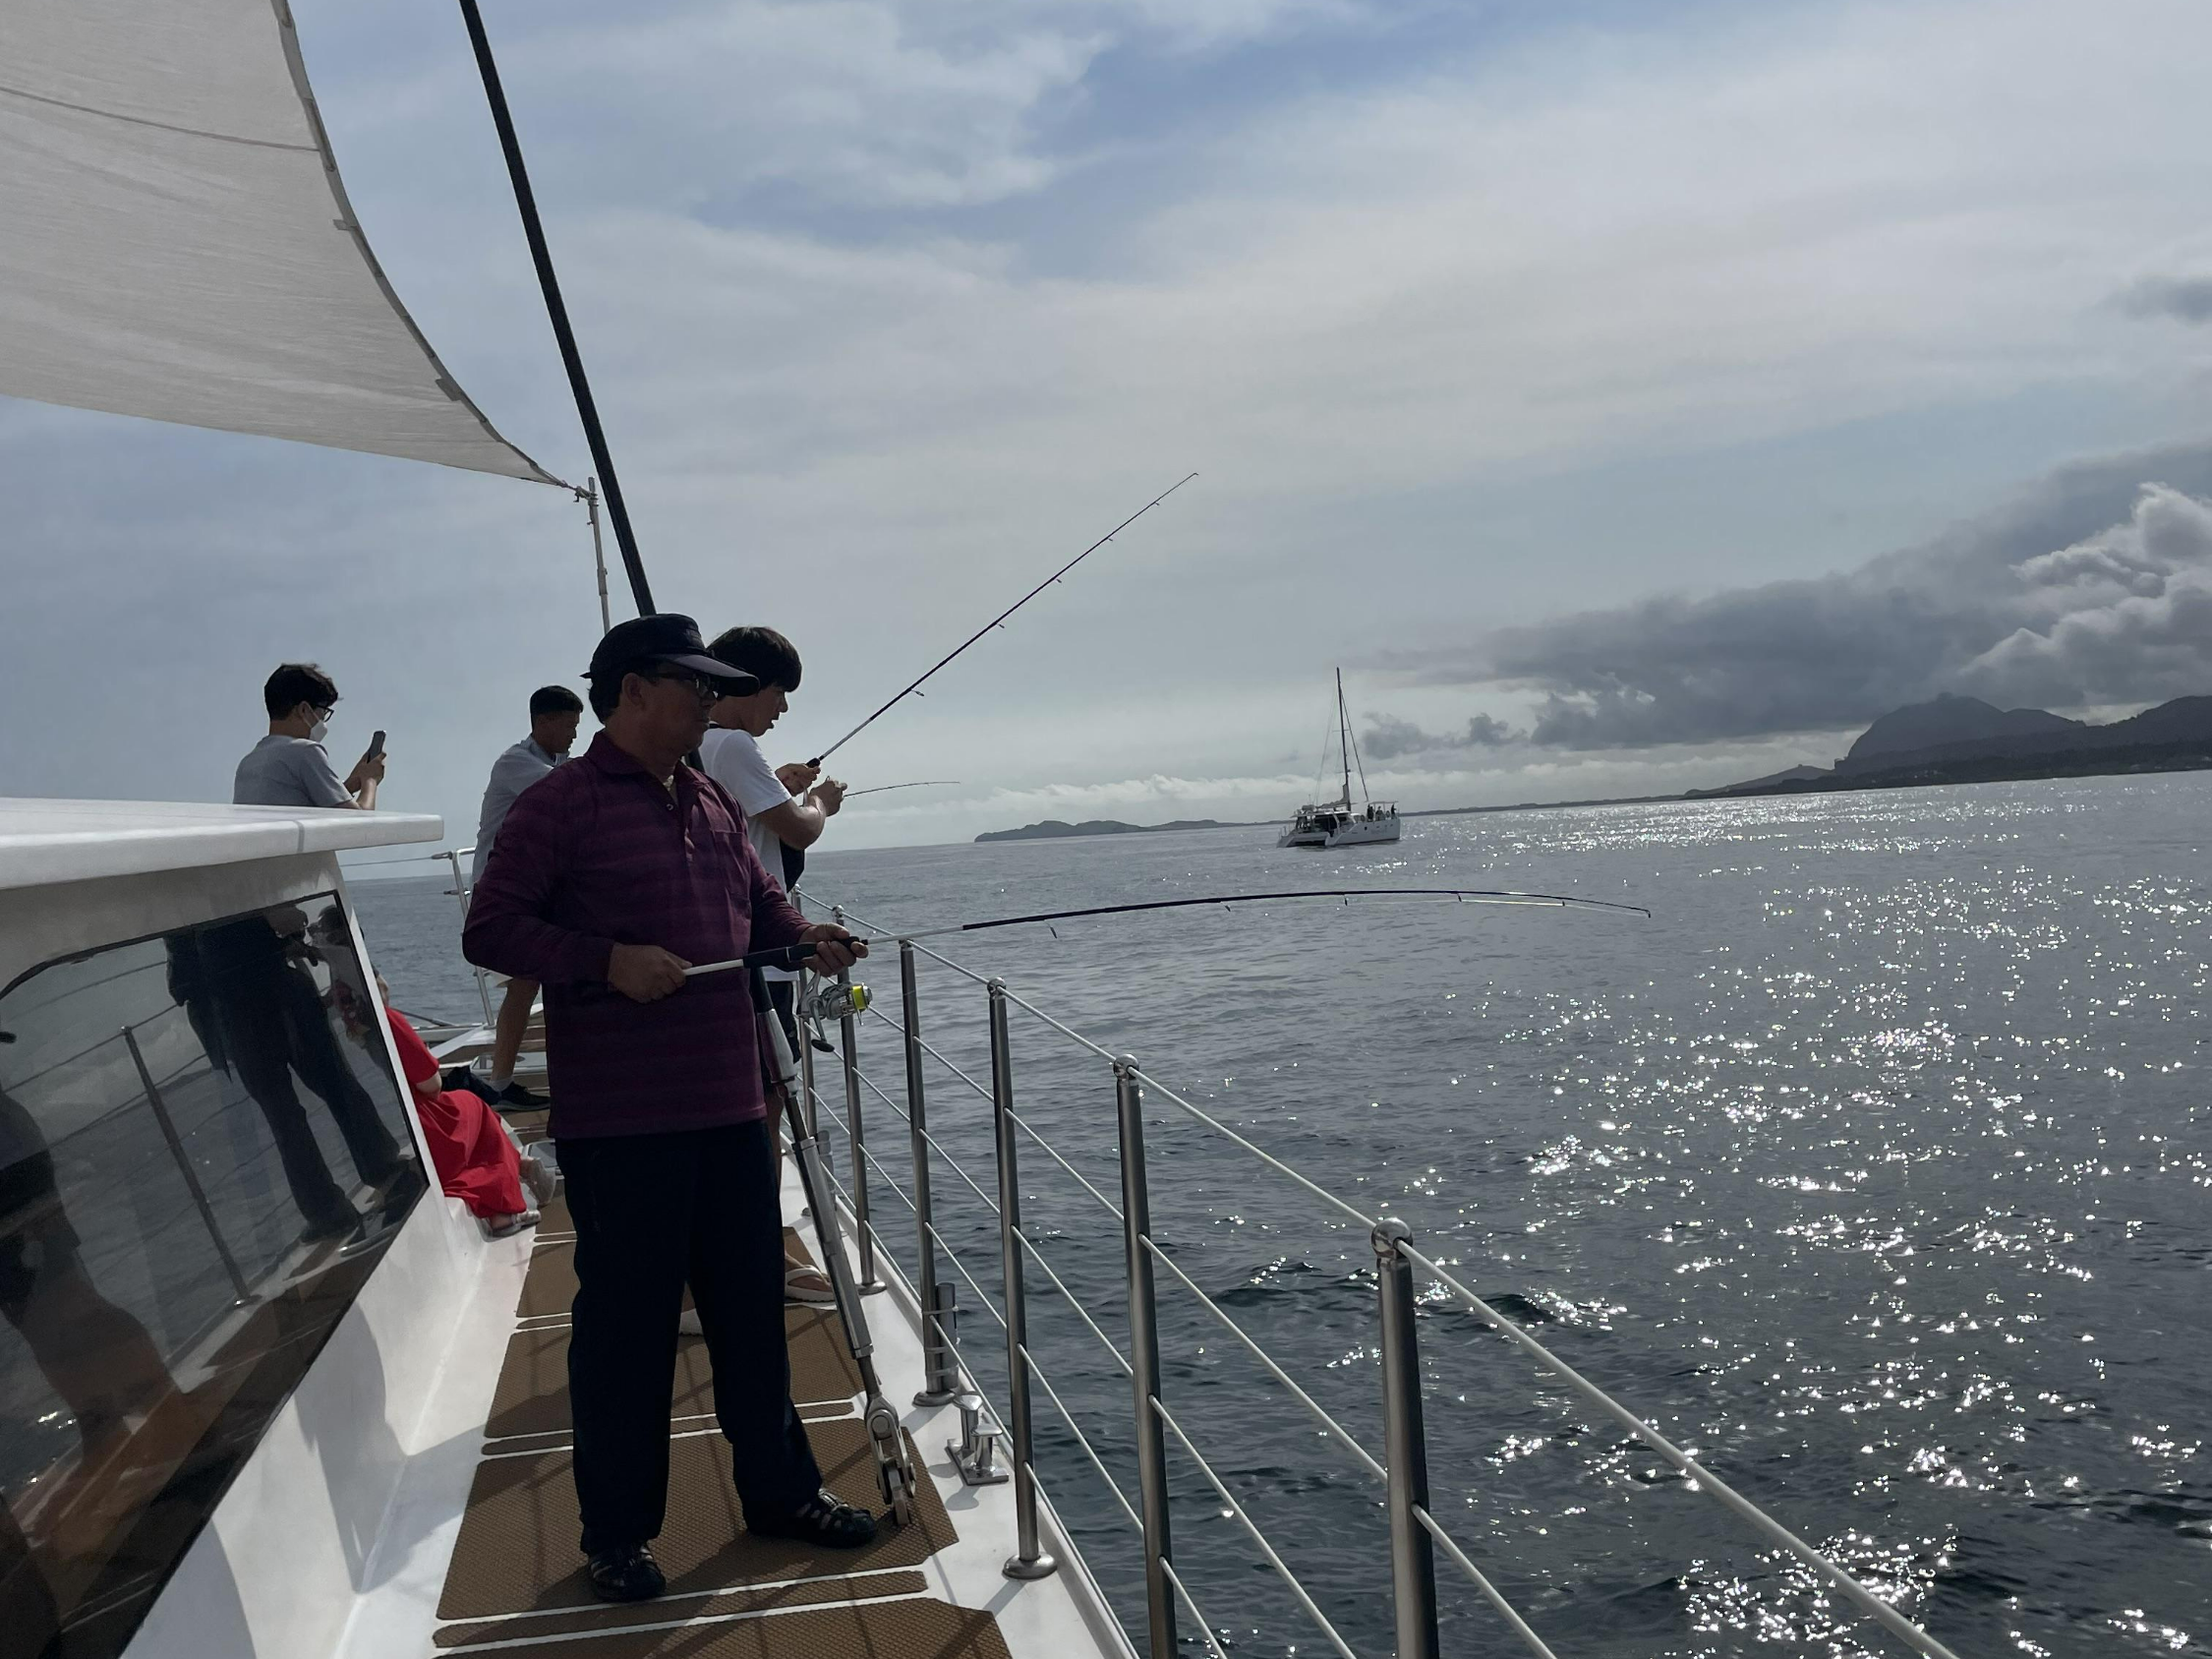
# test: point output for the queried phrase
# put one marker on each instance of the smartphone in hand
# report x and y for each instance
(375, 745)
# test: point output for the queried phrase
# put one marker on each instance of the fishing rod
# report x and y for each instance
(915, 688)
(922, 783)
(794, 955)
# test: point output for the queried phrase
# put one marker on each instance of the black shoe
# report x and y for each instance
(824, 1519)
(516, 1098)
(462, 1078)
(626, 1573)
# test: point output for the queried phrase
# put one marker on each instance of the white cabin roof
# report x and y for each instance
(44, 841)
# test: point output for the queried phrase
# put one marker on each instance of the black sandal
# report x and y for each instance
(625, 1574)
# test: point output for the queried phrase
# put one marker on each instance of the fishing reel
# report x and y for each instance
(829, 1000)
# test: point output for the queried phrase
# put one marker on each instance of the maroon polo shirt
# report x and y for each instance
(598, 854)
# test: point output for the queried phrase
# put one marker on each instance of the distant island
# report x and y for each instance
(1055, 829)
(1948, 740)
(1954, 739)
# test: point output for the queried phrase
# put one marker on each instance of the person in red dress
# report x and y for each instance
(477, 1159)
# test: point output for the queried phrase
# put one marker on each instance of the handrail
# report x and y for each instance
(1857, 1593)
(1490, 1591)
(931, 1139)
(1277, 1372)
(1313, 1611)
(1389, 1236)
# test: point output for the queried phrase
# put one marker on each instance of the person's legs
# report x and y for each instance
(632, 1196)
(260, 1053)
(322, 1067)
(513, 1025)
(736, 1270)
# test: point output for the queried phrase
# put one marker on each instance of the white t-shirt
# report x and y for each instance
(734, 760)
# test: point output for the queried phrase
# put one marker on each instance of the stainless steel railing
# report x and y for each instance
(1414, 1534)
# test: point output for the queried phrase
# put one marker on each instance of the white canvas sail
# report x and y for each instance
(175, 241)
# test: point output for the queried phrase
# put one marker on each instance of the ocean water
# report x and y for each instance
(1872, 1168)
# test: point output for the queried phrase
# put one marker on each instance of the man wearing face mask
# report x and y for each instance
(290, 766)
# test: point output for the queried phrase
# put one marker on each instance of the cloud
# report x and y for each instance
(1387, 736)
(890, 307)
(2184, 299)
(2093, 588)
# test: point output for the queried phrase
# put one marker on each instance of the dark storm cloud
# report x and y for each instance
(1387, 736)
(2093, 587)
(2185, 299)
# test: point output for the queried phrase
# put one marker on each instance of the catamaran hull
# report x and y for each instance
(1358, 833)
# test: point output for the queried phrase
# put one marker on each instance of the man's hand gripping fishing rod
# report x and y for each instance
(915, 688)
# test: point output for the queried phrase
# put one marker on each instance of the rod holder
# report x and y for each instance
(1412, 1554)
(1144, 1362)
(940, 1363)
(849, 1049)
(1029, 1559)
(936, 1390)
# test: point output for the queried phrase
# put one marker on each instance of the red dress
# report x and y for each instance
(476, 1160)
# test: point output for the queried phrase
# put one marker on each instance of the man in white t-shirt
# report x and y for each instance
(775, 819)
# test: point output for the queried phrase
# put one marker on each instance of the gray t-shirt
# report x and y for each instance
(281, 771)
(515, 770)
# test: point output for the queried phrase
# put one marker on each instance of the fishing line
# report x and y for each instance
(914, 690)
(794, 955)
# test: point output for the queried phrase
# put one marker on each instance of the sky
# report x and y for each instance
(1628, 397)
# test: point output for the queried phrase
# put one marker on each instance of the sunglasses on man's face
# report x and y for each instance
(705, 690)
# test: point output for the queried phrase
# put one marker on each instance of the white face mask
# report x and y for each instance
(319, 731)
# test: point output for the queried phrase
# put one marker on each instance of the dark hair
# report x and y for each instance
(607, 689)
(294, 683)
(761, 652)
(555, 699)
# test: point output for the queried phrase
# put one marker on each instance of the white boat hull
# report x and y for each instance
(1351, 832)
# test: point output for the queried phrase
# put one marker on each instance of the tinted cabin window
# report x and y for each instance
(202, 1156)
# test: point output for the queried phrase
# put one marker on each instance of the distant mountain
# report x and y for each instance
(1054, 829)
(1949, 720)
(1791, 775)
(1971, 741)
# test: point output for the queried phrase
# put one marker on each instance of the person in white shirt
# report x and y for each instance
(774, 818)
(555, 711)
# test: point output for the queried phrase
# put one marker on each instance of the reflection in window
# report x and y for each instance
(202, 1153)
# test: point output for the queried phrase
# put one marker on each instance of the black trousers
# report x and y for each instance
(654, 1213)
(274, 1025)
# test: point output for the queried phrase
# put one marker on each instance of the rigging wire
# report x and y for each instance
(914, 690)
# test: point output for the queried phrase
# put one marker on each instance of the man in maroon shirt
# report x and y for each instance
(610, 876)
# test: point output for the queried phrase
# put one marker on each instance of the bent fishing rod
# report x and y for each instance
(794, 955)
(918, 783)
(914, 690)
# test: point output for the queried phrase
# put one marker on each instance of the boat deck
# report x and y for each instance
(515, 1579)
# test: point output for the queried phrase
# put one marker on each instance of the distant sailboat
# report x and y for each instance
(1338, 823)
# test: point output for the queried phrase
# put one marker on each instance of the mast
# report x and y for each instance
(587, 410)
(1344, 738)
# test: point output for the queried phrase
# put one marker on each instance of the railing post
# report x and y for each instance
(1028, 1561)
(1413, 1556)
(1144, 1361)
(938, 1386)
(849, 1049)
(461, 892)
(184, 1168)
